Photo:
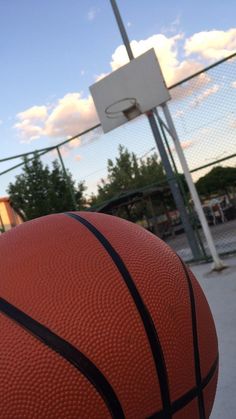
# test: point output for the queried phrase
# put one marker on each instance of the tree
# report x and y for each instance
(40, 191)
(60, 192)
(127, 173)
(151, 171)
(218, 180)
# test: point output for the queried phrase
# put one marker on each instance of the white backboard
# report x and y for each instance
(140, 81)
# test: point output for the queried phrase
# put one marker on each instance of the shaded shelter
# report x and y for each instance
(149, 207)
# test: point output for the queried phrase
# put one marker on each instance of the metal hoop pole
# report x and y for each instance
(166, 163)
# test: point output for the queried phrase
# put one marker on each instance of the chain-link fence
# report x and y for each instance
(203, 108)
(204, 113)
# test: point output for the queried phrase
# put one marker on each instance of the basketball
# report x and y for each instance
(99, 318)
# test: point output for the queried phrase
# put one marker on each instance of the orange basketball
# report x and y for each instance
(99, 318)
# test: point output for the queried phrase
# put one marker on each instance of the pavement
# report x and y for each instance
(220, 290)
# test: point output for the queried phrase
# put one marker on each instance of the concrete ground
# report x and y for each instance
(220, 290)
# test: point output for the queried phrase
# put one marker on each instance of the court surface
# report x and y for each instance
(220, 289)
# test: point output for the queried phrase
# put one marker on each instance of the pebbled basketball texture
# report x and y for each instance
(99, 318)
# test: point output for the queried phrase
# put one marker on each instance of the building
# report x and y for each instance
(9, 217)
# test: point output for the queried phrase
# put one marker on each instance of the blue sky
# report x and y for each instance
(51, 51)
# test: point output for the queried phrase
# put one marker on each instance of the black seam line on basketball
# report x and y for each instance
(68, 352)
(198, 377)
(188, 397)
(146, 318)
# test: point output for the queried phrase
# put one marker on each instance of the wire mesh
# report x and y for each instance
(204, 113)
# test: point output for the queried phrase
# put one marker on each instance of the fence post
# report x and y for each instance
(193, 217)
(217, 262)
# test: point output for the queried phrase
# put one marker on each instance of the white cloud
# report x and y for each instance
(174, 69)
(74, 143)
(28, 132)
(71, 114)
(34, 114)
(233, 84)
(183, 69)
(211, 45)
(202, 96)
(190, 87)
(176, 21)
(30, 123)
(100, 76)
(173, 27)
(92, 13)
(166, 50)
(129, 24)
(1, 121)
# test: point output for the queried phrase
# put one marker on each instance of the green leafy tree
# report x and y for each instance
(128, 172)
(151, 171)
(79, 196)
(218, 180)
(39, 191)
(59, 191)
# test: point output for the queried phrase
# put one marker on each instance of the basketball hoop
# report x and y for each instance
(128, 107)
(129, 91)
